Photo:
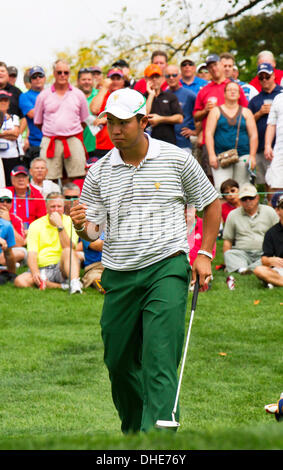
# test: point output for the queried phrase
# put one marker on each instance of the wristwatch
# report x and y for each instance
(60, 229)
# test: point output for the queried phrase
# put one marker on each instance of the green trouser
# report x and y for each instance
(143, 325)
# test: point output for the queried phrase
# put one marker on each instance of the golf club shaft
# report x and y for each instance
(194, 302)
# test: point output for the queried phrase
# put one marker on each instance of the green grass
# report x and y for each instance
(55, 392)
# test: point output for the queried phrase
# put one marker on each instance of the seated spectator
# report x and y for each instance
(230, 192)
(60, 112)
(71, 192)
(271, 270)
(19, 250)
(7, 242)
(114, 81)
(28, 202)
(48, 244)
(38, 172)
(244, 232)
(80, 181)
(9, 133)
(93, 267)
(275, 198)
(27, 104)
(162, 107)
(267, 57)
(231, 126)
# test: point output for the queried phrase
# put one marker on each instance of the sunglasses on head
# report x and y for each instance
(264, 77)
(62, 72)
(171, 75)
(37, 75)
(5, 199)
(71, 197)
(248, 198)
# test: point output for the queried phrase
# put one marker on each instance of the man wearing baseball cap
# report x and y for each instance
(271, 270)
(244, 231)
(141, 188)
(114, 81)
(267, 57)
(27, 104)
(13, 75)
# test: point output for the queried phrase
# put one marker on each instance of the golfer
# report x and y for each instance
(140, 188)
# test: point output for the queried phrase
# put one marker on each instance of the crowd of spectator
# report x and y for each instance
(51, 135)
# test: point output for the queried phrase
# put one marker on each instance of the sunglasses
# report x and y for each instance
(5, 199)
(264, 77)
(248, 198)
(187, 63)
(37, 75)
(71, 197)
(62, 72)
(171, 75)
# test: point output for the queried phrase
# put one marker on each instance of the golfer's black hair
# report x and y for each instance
(139, 117)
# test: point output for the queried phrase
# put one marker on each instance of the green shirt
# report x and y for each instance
(89, 139)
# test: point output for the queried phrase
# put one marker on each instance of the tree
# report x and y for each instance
(246, 37)
(176, 32)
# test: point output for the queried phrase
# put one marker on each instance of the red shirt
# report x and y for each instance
(225, 209)
(28, 209)
(216, 90)
(278, 77)
(195, 240)
(17, 224)
(103, 141)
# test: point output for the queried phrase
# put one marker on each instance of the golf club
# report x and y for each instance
(163, 424)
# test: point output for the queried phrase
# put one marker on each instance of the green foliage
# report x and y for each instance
(246, 37)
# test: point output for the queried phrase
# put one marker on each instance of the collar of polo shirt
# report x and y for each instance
(152, 152)
(53, 89)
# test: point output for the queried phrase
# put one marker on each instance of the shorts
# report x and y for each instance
(74, 164)
(53, 273)
(261, 167)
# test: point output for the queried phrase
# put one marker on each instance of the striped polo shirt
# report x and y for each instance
(144, 205)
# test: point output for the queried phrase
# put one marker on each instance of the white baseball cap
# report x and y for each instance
(4, 192)
(124, 104)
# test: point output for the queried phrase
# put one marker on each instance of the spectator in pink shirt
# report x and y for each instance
(60, 112)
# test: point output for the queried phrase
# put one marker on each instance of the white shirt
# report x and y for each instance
(275, 117)
(144, 205)
(9, 148)
(47, 187)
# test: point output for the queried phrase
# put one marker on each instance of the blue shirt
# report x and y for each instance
(254, 105)
(196, 85)
(91, 256)
(27, 103)
(7, 232)
(186, 100)
(225, 136)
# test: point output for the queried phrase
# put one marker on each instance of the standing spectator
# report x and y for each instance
(162, 107)
(260, 106)
(28, 202)
(274, 173)
(114, 81)
(27, 102)
(231, 126)
(210, 96)
(263, 58)
(15, 92)
(202, 72)
(97, 76)
(228, 62)
(85, 84)
(124, 66)
(9, 133)
(38, 172)
(19, 251)
(189, 77)
(271, 270)
(186, 100)
(48, 243)
(13, 75)
(159, 58)
(60, 112)
(244, 232)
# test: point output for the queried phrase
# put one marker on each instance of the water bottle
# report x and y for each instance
(43, 278)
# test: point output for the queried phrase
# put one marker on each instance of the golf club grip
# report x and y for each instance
(195, 293)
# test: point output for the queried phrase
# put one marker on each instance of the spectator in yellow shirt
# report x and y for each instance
(49, 251)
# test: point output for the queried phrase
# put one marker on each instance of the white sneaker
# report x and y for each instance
(76, 286)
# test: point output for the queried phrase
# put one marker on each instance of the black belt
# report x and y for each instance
(176, 254)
